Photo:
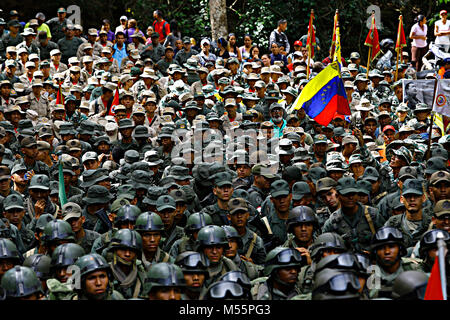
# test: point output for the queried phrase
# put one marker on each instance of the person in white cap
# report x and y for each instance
(442, 31)
(56, 66)
(26, 78)
(28, 42)
(39, 102)
(123, 24)
(206, 55)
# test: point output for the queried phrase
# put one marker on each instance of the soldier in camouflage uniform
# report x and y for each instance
(150, 227)
(165, 207)
(63, 257)
(355, 222)
(165, 282)
(280, 275)
(194, 223)
(126, 266)
(71, 213)
(21, 283)
(194, 266)
(388, 249)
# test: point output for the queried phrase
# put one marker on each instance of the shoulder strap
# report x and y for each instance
(164, 29)
(369, 219)
(137, 288)
(166, 257)
(252, 245)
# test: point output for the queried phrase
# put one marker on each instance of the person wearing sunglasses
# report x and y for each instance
(212, 243)
(355, 222)
(194, 266)
(389, 251)
(415, 221)
(280, 275)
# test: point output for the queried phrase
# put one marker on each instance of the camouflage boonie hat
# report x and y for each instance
(237, 204)
(403, 153)
(441, 208)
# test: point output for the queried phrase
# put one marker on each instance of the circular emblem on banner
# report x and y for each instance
(441, 100)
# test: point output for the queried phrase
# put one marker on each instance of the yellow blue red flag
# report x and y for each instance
(324, 96)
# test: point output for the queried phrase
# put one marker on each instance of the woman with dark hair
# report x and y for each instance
(254, 54)
(419, 41)
(222, 51)
(245, 49)
(233, 48)
(107, 27)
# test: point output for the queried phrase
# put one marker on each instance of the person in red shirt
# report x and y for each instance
(161, 26)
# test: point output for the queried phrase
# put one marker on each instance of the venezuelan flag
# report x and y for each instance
(324, 95)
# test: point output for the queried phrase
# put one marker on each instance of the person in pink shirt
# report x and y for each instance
(419, 41)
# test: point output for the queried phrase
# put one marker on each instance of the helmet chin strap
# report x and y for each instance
(116, 259)
(277, 279)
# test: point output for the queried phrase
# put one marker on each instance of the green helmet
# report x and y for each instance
(196, 221)
(330, 284)
(90, 263)
(8, 250)
(281, 257)
(40, 263)
(429, 241)
(343, 261)
(43, 220)
(386, 235)
(127, 212)
(192, 261)
(126, 238)
(20, 282)
(212, 235)
(232, 233)
(163, 275)
(327, 240)
(301, 214)
(410, 285)
(66, 254)
(149, 221)
(58, 230)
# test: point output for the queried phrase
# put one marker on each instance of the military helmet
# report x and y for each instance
(281, 257)
(330, 284)
(193, 262)
(40, 263)
(301, 214)
(237, 276)
(90, 263)
(226, 290)
(20, 282)
(429, 241)
(196, 221)
(342, 261)
(163, 275)
(212, 235)
(127, 212)
(386, 235)
(8, 250)
(149, 221)
(327, 240)
(232, 233)
(410, 285)
(58, 230)
(66, 254)
(126, 238)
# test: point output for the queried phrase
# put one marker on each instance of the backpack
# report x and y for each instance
(163, 28)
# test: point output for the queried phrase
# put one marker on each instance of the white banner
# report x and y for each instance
(442, 100)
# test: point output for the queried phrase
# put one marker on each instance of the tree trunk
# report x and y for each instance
(218, 17)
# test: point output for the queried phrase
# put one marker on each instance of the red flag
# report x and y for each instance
(59, 96)
(114, 103)
(401, 40)
(434, 287)
(333, 40)
(311, 39)
(372, 40)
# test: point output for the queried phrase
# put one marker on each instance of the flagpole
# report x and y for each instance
(336, 21)
(368, 61)
(428, 153)
(399, 47)
(309, 47)
(441, 256)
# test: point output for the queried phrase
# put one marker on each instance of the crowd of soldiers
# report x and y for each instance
(203, 182)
